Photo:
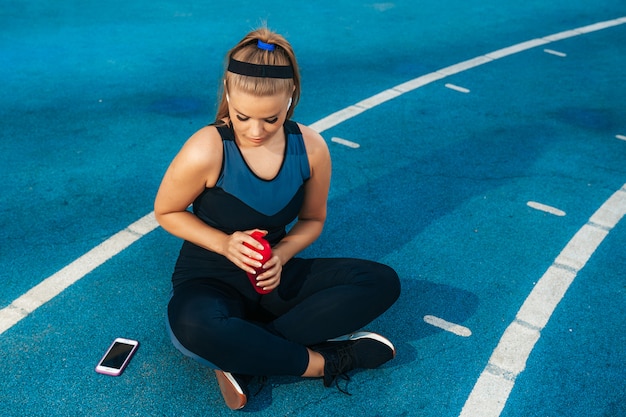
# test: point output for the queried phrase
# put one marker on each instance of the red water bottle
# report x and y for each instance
(266, 253)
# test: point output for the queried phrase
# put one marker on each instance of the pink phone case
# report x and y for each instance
(117, 357)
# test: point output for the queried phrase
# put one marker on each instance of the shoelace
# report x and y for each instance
(338, 369)
(346, 378)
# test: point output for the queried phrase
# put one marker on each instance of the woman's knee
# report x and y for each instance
(388, 282)
(380, 282)
(381, 276)
(197, 317)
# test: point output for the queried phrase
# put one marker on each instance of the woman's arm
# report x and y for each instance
(196, 167)
(313, 213)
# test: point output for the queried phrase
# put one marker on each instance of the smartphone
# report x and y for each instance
(117, 356)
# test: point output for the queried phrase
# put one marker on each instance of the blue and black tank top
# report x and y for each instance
(240, 200)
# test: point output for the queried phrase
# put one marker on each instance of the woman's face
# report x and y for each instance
(256, 119)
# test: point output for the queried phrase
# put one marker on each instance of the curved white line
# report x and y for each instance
(349, 112)
(56, 283)
(491, 392)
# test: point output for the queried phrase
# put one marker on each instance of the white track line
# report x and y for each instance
(621, 137)
(354, 110)
(495, 383)
(545, 208)
(456, 329)
(553, 52)
(345, 142)
(56, 283)
(457, 88)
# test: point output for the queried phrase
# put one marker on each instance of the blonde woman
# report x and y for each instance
(256, 170)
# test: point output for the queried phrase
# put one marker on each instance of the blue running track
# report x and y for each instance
(478, 147)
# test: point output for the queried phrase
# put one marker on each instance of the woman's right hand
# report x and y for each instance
(241, 255)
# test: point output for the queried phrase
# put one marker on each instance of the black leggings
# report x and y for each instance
(318, 299)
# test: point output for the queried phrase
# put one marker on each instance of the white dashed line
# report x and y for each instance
(345, 142)
(621, 137)
(553, 52)
(545, 208)
(447, 326)
(457, 88)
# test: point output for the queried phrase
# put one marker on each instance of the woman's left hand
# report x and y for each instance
(270, 278)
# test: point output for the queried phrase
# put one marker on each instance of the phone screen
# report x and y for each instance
(117, 355)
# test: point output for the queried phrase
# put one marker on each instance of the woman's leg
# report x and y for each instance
(320, 299)
(211, 322)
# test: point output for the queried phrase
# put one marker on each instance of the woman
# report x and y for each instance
(255, 170)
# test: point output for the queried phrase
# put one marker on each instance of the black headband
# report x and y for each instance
(262, 71)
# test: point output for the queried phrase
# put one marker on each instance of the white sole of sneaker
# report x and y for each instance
(234, 397)
(365, 335)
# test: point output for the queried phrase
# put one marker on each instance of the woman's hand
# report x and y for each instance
(237, 247)
(270, 278)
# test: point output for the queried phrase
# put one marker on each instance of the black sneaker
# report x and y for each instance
(365, 350)
(234, 389)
